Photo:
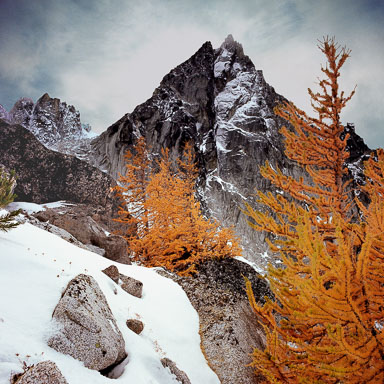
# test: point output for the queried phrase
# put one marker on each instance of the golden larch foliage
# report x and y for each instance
(168, 228)
(326, 324)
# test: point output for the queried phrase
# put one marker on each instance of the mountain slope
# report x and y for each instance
(45, 176)
(36, 266)
(219, 101)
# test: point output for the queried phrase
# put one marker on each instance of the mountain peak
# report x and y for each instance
(45, 97)
(232, 45)
(230, 58)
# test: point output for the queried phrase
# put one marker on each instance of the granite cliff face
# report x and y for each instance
(54, 123)
(219, 101)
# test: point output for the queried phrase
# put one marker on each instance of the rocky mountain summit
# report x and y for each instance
(218, 100)
(54, 123)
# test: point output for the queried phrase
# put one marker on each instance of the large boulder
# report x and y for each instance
(86, 327)
(45, 372)
(81, 224)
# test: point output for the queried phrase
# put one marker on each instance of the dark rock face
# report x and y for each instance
(21, 112)
(87, 329)
(178, 109)
(52, 120)
(228, 328)
(220, 102)
(45, 176)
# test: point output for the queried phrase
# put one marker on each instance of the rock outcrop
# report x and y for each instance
(86, 328)
(219, 101)
(4, 113)
(79, 223)
(46, 372)
(44, 175)
(228, 328)
(180, 375)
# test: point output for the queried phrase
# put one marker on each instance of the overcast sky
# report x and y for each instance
(106, 56)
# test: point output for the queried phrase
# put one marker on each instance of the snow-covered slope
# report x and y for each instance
(35, 267)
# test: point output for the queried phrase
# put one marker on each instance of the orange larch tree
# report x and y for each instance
(326, 325)
(175, 234)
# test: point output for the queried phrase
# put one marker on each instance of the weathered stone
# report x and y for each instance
(180, 375)
(131, 285)
(228, 328)
(45, 372)
(86, 328)
(79, 222)
(112, 272)
(115, 248)
(136, 326)
(52, 229)
(81, 226)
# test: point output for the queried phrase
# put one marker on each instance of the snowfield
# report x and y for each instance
(35, 268)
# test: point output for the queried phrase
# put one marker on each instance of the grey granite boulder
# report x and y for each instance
(132, 286)
(41, 373)
(86, 328)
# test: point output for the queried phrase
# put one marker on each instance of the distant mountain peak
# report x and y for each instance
(54, 123)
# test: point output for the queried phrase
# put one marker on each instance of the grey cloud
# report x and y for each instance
(107, 56)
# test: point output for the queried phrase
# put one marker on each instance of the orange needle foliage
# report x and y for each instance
(165, 224)
(326, 325)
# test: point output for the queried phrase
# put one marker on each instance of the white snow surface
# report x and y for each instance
(33, 207)
(35, 268)
(252, 264)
